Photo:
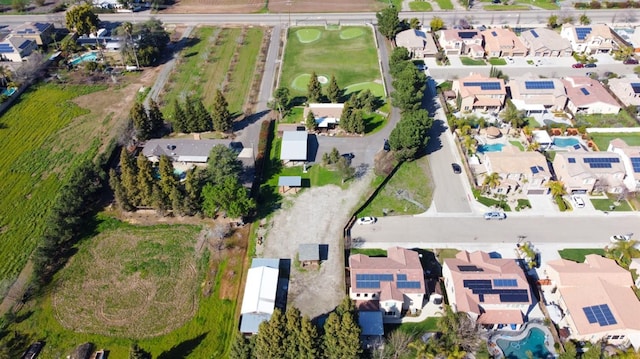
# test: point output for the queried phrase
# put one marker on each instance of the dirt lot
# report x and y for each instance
(248, 6)
(317, 215)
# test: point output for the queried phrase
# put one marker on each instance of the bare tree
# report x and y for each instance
(31, 69)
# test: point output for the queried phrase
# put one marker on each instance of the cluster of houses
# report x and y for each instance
(588, 301)
(501, 42)
(24, 39)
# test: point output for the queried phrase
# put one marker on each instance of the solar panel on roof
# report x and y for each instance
(514, 298)
(582, 32)
(467, 34)
(539, 85)
(485, 86)
(601, 160)
(481, 297)
(401, 276)
(600, 314)
(6, 49)
(494, 33)
(367, 284)
(635, 162)
(534, 170)
(589, 314)
(534, 33)
(584, 91)
(571, 160)
(408, 284)
(636, 87)
(470, 269)
(505, 283)
(377, 277)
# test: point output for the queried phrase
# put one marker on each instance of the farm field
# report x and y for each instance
(349, 53)
(217, 58)
(148, 284)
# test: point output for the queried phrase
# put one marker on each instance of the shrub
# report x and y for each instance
(595, 4)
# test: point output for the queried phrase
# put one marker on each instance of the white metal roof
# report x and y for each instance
(260, 290)
(294, 146)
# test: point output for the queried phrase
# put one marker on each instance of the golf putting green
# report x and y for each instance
(308, 35)
(302, 81)
(375, 88)
(351, 33)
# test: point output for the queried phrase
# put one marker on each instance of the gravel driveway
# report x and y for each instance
(316, 215)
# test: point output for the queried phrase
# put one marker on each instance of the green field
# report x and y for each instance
(445, 4)
(578, 254)
(32, 165)
(467, 61)
(349, 53)
(497, 61)
(602, 139)
(129, 282)
(420, 6)
(214, 54)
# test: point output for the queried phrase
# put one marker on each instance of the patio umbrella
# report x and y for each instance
(493, 131)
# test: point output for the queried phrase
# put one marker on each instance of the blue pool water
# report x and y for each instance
(89, 56)
(494, 147)
(565, 141)
(534, 342)
(9, 91)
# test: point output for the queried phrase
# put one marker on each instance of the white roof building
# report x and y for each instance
(259, 298)
(294, 146)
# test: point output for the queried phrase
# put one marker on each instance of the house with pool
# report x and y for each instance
(585, 172)
(478, 92)
(526, 171)
(595, 300)
(588, 96)
(630, 157)
(493, 291)
(536, 96)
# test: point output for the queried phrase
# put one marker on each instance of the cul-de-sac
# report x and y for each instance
(330, 179)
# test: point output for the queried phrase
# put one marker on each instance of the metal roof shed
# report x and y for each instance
(309, 254)
(294, 146)
(260, 290)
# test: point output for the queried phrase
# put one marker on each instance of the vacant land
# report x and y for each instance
(216, 6)
(217, 58)
(602, 139)
(348, 53)
(282, 6)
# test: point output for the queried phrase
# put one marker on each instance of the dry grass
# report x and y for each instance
(281, 6)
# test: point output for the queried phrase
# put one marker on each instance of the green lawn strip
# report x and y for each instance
(517, 144)
(243, 73)
(621, 119)
(352, 61)
(445, 4)
(578, 254)
(543, 4)
(603, 204)
(374, 122)
(490, 202)
(602, 139)
(294, 115)
(428, 325)
(497, 61)
(33, 165)
(444, 253)
(410, 177)
(420, 6)
(467, 61)
(506, 7)
(371, 252)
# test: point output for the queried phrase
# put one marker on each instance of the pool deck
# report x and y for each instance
(497, 353)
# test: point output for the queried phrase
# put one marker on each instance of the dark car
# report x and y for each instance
(577, 66)
(386, 146)
(630, 62)
(590, 65)
(33, 350)
(456, 168)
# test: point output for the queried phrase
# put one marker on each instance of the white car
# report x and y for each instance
(366, 220)
(620, 238)
(578, 201)
(495, 215)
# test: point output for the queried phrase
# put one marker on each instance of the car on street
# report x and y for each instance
(578, 201)
(456, 168)
(33, 350)
(577, 66)
(366, 220)
(620, 238)
(495, 215)
(590, 65)
(386, 146)
(630, 61)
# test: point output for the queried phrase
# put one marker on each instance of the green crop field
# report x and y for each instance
(133, 282)
(31, 167)
(348, 53)
(204, 65)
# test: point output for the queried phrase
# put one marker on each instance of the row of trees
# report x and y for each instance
(192, 116)
(314, 90)
(147, 123)
(292, 336)
(352, 117)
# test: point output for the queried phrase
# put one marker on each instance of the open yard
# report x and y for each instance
(349, 53)
(602, 139)
(216, 58)
(621, 119)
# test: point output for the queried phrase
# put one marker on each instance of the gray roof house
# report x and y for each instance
(40, 32)
(294, 146)
(15, 49)
(181, 150)
(545, 42)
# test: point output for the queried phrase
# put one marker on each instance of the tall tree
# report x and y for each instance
(140, 121)
(281, 101)
(168, 180)
(398, 60)
(128, 177)
(190, 115)
(222, 120)
(192, 187)
(293, 329)
(310, 122)
(145, 180)
(584, 19)
(309, 339)
(414, 23)
(155, 118)
(314, 89)
(270, 337)
(81, 19)
(223, 163)
(409, 88)
(344, 169)
(512, 115)
(333, 90)
(388, 22)
(176, 198)
(241, 348)
(228, 195)
(179, 118)
(552, 21)
(119, 192)
(410, 134)
(203, 118)
(368, 101)
(557, 188)
(492, 180)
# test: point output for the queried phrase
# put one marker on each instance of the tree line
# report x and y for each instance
(293, 336)
(192, 116)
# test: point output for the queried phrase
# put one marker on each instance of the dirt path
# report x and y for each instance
(317, 215)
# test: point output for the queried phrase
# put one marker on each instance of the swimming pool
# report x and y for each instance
(494, 147)
(534, 342)
(89, 56)
(9, 91)
(565, 141)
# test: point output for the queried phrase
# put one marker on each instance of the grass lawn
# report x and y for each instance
(621, 119)
(577, 254)
(445, 253)
(294, 115)
(374, 122)
(36, 157)
(517, 144)
(543, 4)
(414, 179)
(602, 204)
(497, 61)
(420, 6)
(491, 202)
(506, 7)
(130, 278)
(348, 53)
(602, 139)
(445, 4)
(428, 325)
(205, 64)
(371, 252)
(467, 61)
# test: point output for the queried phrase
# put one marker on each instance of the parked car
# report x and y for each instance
(366, 220)
(578, 201)
(386, 146)
(577, 66)
(590, 65)
(495, 215)
(510, 59)
(630, 61)
(456, 168)
(620, 238)
(33, 350)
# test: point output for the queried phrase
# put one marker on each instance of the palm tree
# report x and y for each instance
(533, 146)
(470, 144)
(584, 19)
(128, 29)
(424, 350)
(623, 251)
(557, 188)
(491, 180)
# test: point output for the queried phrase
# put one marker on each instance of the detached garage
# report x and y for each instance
(294, 147)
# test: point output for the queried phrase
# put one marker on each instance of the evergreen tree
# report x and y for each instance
(223, 163)
(293, 327)
(281, 101)
(309, 340)
(190, 115)
(177, 201)
(331, 345)
(222, 120)
(159, 200)
(347, 306)
(367, 101)
(388, 22)
(203, 117)
(192, 186)
(410, 134)
(314, 89)
(345, 117)
(357, 122)
(135, 352)
(119, 192)
(128, 177)
(155, 118)
(168, 179)
(349, 336)
(140, 121)
(145, 180)
(270, 337)
(241, 348)
(310, 122)
(333, 90)
(228, 195)
(179, 118)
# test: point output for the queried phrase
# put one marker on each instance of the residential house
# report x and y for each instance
(260, 291)
(596, 299)
(585, 172)
(634, 39)
(630, 157)
(543, 42)
(391, 284)
(16, 49)
(635, 266)
(527, 171)
(40, 32)
(493, 291)
(477, 92)
(294, 147)
(535, 95)
(327, 115)
(188, 151)
(461, 42)
(588, 96)
(627, 90)
(589, 39)
(500, 42)
(419, 42)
